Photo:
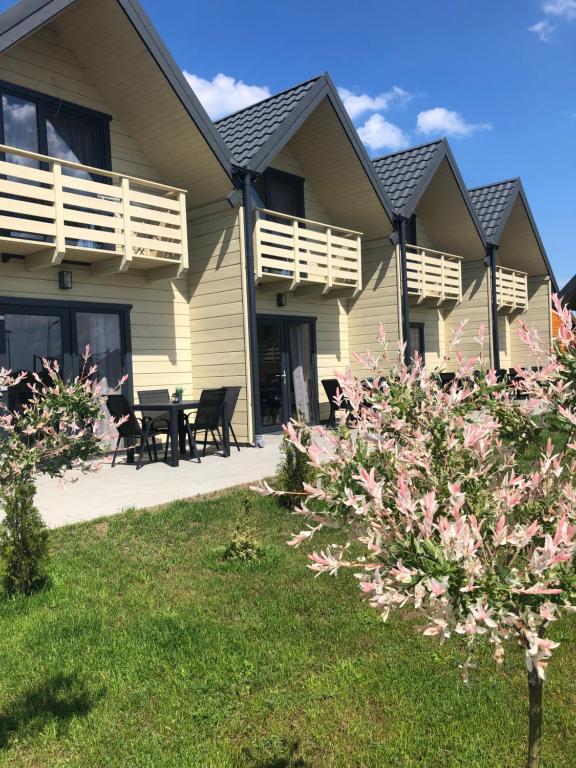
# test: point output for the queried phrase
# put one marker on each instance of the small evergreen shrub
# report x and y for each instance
(244, 546)
(23, 542)
(294, 470)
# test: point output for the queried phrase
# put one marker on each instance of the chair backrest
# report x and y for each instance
(232, 395)
(155, 397)
(332, 389)
(118, 407)
(209, 411)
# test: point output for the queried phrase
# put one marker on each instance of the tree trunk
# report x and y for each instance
(534, 719)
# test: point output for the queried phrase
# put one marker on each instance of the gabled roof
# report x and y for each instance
(406, 175)
(568, 293)
(402, 173)
(494, 204)
(256, 134)
(26, 16)
(247, 131)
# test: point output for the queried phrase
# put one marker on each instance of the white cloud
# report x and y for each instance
(223, 94)
(358, 103)
(377, 133)
(444, 121)
(564, 8)
(543, 29)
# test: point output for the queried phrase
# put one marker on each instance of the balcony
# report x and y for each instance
(511, 289)
(53, 209)
(433, 274)
(306, 256)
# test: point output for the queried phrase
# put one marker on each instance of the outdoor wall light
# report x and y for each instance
(64, 280)
(281, 299)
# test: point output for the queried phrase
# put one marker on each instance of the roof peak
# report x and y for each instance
(513, 180)
(268, 98)
(409, 149)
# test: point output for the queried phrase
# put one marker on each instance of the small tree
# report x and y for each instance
(452, 515)
(50, 434)
(294, 470)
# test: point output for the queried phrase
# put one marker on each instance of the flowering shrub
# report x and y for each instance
(454, 513)
(51, 433)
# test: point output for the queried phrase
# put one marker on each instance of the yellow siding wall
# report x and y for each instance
(286, 161)
(159, 316)
(505, 339)
(218, 331)
(537, 316)
(474, 307)
(379, 302)
(434, 333)
(41, 62)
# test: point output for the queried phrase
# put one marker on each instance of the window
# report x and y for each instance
(417, 339)
(49, 126)
(281, 192)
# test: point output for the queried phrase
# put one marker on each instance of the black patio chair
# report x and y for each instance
(207, 418)
(232, 395)
(332, 388)
(131, 429)
(155, 397)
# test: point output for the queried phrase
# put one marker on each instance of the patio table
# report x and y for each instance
(177, 433)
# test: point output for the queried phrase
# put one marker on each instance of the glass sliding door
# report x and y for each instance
(30, 333)
(286, 356)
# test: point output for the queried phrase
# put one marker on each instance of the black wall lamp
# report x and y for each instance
(64, 280)
(281, 299)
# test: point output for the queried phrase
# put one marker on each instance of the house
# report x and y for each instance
(440, 254)
(261, 251)
(313, 212)
(523, 275)
(106, 153)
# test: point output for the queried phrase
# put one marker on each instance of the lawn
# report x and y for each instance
(149, 650)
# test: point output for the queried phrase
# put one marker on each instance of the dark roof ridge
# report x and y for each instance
(272, 96)
(409, 149)
(513, 179)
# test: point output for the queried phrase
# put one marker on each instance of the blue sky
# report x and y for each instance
(496, 76)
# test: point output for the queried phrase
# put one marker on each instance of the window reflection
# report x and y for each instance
(28, 339)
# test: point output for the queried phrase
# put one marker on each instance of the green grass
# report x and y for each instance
(149, 650)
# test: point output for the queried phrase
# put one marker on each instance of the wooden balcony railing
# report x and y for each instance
(433, 274)
(511, 288)
(53, 209)
(300, 252)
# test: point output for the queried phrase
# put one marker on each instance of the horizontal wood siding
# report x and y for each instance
(475, 308)
(379, 302)
(287, 161)
(219, 343)
(43, 63)
(434, 333)
(538, 316)
(159, 317)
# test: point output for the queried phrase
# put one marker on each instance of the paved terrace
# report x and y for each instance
(110, 491)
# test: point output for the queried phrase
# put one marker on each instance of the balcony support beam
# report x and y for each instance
(170, 272)
(109, 266)
(51, 257)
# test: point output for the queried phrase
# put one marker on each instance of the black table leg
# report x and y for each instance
(174, 444)
(225, 431)
(181, 433)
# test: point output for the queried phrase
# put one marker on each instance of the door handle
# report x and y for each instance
(283, 377)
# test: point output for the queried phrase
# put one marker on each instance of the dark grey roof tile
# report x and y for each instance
(245, 132)
(491, 202)
(402, 172)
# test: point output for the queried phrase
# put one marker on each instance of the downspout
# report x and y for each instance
(491, 263)
(251, 296)
(400, 224)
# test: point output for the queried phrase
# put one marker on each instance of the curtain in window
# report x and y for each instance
(300, 368)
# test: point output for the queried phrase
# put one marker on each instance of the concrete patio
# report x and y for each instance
(112, 490)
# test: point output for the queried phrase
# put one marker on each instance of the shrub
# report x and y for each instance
(50, 434)
(244, 546)
(443, 508)
(23, 541)
(294, 470)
